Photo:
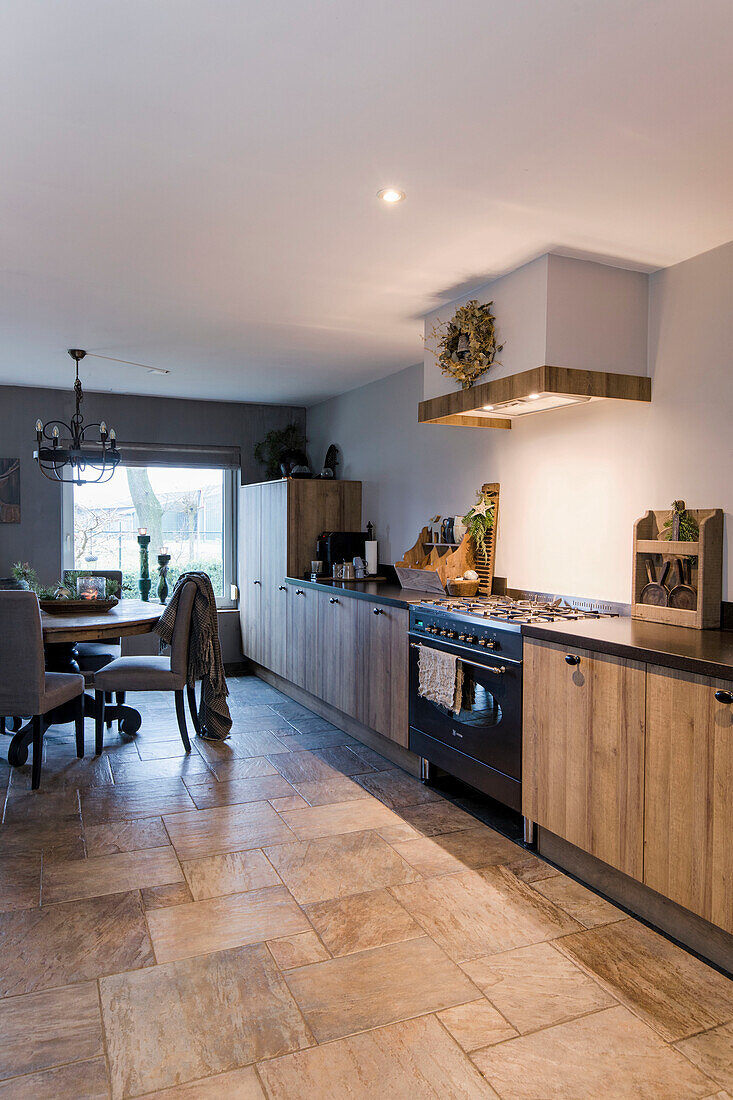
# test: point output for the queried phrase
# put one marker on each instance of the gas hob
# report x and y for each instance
(503, 609)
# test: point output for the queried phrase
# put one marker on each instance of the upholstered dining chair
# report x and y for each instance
(25, 686)
(164, 673)
(91, 656)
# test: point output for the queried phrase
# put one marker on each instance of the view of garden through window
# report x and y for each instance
(181, 509)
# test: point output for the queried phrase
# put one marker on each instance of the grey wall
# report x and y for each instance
(573, 481)
(37, 538)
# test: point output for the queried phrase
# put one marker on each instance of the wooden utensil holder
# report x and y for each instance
(707, 567)
(454, 560)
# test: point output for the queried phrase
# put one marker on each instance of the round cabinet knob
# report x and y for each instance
(724, 696)
(572, 659)
(256, 582)
(299, 592)
(378, 611)
(282, 588)
(333, 600)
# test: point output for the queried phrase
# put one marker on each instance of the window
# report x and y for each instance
(188, 513)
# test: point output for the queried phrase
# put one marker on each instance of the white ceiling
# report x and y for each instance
(192, 184)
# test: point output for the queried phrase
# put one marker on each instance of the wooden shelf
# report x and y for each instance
(452, 545)
(666, 546)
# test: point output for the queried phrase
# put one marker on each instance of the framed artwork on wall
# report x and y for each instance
(9, 490)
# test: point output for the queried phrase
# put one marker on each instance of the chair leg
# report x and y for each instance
(120, 701)
(108, 699)
(37, 751)
(79, 726)
(2, 724)
(98, 721)
(181, 716)
(191, 695)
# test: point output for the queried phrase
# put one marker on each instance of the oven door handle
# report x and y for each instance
(474, 664)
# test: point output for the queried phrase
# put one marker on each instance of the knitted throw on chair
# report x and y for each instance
(204, 654)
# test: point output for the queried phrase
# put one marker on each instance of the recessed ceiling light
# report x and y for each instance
(488, 407)
(390, 195)
(533, 397)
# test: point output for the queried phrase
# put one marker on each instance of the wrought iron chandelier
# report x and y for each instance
(76, 455)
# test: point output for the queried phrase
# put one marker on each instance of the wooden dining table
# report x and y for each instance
(61, 633)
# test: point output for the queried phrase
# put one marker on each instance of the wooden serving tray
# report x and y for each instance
(78, 607)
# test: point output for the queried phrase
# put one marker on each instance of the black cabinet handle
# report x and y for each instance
(572, 659)
(283, 588)
(724, 696)
(333, 600)
(299, 592)
(256, 582)
(378, 611)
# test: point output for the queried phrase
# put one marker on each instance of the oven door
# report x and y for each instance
(488, 726)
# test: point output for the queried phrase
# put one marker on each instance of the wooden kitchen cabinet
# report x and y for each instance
(383, 669)
(338, 645)
(583, 750)
(303, 658)
(688, 832)
(279, 522)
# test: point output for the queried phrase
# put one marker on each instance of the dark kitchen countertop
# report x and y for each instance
(704, 652)
(376, 591)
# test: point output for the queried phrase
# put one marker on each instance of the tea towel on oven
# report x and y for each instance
(441, 678)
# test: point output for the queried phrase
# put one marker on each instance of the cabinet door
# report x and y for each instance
(250, 522)
(338, 646)
(688, 827)
(383, 681)
(303, 664)
(583, 750)
(273, 591)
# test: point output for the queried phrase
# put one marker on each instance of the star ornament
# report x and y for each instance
(481, 508)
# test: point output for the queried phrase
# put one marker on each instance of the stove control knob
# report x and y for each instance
(471, 638)
(443, 633)
(482, 641)
(462, 638)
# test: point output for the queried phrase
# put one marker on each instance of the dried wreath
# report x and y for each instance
(467, 346)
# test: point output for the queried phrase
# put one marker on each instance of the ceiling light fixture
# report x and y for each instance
(76, 453)
(390, 195)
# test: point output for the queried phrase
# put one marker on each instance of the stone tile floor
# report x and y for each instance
(288, 915)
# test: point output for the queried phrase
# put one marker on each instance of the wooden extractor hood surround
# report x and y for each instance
(530, 393)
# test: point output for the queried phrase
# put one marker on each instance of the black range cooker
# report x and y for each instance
(481, 743)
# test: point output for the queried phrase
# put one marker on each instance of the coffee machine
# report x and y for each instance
(334, 547)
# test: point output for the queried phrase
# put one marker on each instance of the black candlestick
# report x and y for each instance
(163, 560)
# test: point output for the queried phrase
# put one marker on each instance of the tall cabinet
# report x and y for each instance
(279, 522)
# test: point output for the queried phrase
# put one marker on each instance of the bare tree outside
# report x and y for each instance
(148, 508)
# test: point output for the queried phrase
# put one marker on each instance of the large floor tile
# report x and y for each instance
(587, 908)
(242, 743)
(243, 767)
(55, 840)
(236, 791)
(20, 881)
(72, 942)
(537, 986)
(62, 770)
(238, 1084)
(217, 924)
(450, 853)
(90, 878)
(332, 867)
(125, 836)
(130, 800)
(437, 817)
(298, 950)
(361, 922)
(148, 770)
(480, 913)
(374, 759)
(160, 897)
(315, 739)
(46, 1029)
(87, 1080)
(476, 1024)
(415, 1060)
(226, 829)
(377, 987)
(610, 1054)
(675, 993)
(223, 1010)
(396, 788)
(38, 807)
(304, 767)
(327, 791)
(712, 1052)
(343, 760)
(231, 873)
(339, 817)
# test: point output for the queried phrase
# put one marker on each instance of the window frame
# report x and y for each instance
(230, 528)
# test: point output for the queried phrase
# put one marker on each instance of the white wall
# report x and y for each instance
(573, 480)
